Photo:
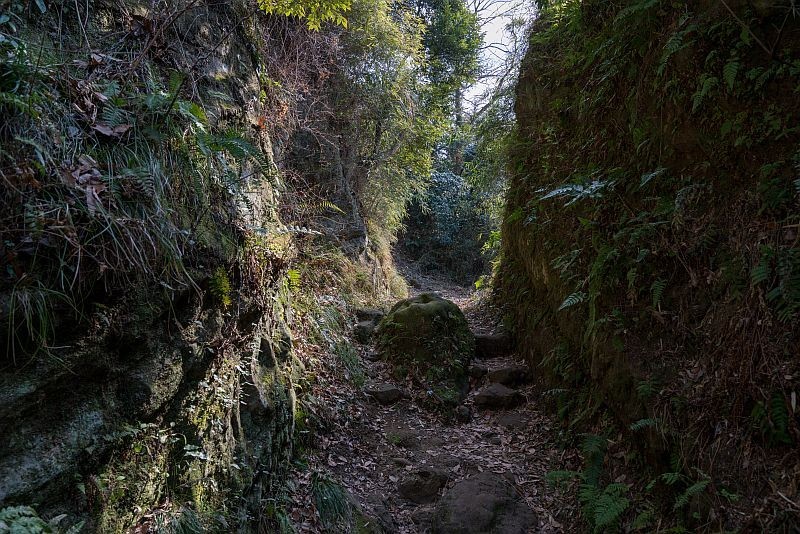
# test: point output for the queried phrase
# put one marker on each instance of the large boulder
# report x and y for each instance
(429, 335)
(483, 503)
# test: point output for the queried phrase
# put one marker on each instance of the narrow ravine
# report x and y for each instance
(239, 241)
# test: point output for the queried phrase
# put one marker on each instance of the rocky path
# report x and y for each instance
(407, 470)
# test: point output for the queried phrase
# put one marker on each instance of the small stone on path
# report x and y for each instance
(402, 462)
(512, 421)
(363, 331)
(372, 356)
(371, 315)
(422, 486)
(383, 392)
(498, 396)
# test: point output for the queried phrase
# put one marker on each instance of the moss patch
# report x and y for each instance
(430, 336)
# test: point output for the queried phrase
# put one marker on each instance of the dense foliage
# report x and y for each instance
(650, 244)
(447, 228)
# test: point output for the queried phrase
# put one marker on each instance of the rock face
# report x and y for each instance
(498, 396)
(483, 503)
(513, 375)
(429, 335)
(489, 346)
(423, 485)
(383, 392)
(239, 398)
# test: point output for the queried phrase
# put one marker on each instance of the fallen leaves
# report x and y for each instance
(111, 131)
(361, 454)
(85, 175)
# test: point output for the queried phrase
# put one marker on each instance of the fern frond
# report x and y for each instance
(779, 414)
(657, 291)
(643, 520)
(587, 495)
(610, 506)
(328, 205)
(729, 72)
(670, 478)
(647, 388)
(706, 85)
(642, 423)
(593, 445)
(572, 300)
(695, 489)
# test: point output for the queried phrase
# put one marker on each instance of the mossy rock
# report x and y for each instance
(429, 335)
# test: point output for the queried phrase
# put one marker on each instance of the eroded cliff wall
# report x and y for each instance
(650, 261)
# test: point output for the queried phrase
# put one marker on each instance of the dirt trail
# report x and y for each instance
(373, 449)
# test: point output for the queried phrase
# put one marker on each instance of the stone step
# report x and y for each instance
(383, 392)
(511, 375)
(496, 395)
(488, 346)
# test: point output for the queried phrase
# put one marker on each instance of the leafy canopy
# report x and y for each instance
(315, 12)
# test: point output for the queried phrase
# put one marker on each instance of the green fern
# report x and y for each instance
(781, 268)
(762, 271)
(657, 291)
(779, 414)
(572, 300)
(594, 449)
(638, 7)
(25, 520)
(729, 495)
(706, 84)
(695, 489)
(676, 43)
(610, 506)
(670, 479)
(644, 519)
(328, 205)
(729, 72)
(594, 445)
(647, 388)
(642, 424)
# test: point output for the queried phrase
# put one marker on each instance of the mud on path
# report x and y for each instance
(391, 459)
